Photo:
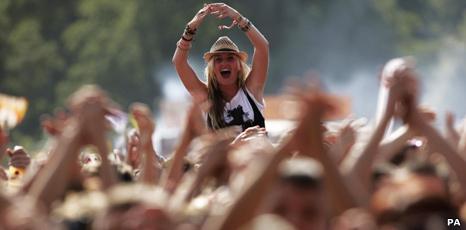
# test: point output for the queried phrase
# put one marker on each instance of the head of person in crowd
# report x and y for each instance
(126, 210)
(299, 196)
(413, 197)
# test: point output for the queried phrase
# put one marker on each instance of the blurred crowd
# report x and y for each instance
(395, 172)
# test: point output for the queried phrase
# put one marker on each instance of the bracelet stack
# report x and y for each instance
(188, 33)
(244, 24)
(185, 42)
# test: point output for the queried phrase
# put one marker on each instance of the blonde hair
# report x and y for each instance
(215, 94)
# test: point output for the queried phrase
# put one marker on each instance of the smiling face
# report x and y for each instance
(226, 68)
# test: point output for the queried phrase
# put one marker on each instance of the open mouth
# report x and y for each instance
(225, 73)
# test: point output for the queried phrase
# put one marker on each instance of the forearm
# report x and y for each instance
(245, 207)
(106, 171)
(257, 39)
(188, 77)
(3, 144)
(462, 143)
(362, 167)
(260, 60)
(440, 145)
(180, 57)
(394, 143)
(176, 170)
(52, 180)
(150, 170)
(341, 196)
(180, 61)
(2, 150)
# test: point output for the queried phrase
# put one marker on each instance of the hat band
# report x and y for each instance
(226, 49)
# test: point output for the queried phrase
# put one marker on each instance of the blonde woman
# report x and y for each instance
(234, 89)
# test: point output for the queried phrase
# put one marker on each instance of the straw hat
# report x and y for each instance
(225, 45)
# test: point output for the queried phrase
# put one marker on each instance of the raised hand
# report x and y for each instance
(134, 150)
(199, 17)
(428, 114)
(249, 133)
(222, 10)
(89, 106)
(403, 91)
(151, 168)
(54, 125)
(146, 125)
(346, 138)
(314, 105)
(214, 157)
(18, 158)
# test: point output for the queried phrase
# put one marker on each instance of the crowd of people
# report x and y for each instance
(396, 172)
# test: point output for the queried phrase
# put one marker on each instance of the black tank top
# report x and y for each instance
(239, 118)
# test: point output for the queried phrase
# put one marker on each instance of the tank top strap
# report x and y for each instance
(258, 117)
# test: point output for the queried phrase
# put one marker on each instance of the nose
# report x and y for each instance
(224, 62)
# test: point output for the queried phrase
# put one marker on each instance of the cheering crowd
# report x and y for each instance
(395, 172)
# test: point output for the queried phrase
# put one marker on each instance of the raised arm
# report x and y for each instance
(452, 135)
(361, 165)
(86, 127)
(151, 167)
(260, 61)
(3, 144)
(195, 87)
(438, 144)
(309, 133)
(194, 126)
(394, 143)
(307, 138)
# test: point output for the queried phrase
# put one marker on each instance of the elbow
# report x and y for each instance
(179, 60)
(266, 44)
(175, 60)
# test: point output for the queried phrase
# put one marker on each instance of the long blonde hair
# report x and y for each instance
(215, 95)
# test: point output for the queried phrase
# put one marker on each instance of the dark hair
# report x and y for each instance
(302, 181)
(380, 171)
(400, 157)
(427, 212)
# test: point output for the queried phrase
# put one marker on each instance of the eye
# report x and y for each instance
(217, 59)
(231, 58)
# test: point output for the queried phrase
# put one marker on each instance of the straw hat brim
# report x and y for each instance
(241, 54)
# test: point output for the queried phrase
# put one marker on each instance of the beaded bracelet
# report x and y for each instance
(190, 31)
(186, 39)
(246, 27)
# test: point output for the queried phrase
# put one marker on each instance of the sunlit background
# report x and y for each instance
(49, 48)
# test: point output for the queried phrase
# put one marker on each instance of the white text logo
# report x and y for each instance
(453, 222)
